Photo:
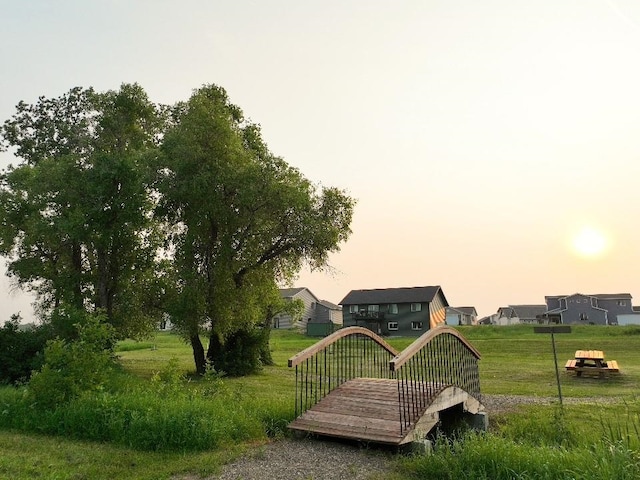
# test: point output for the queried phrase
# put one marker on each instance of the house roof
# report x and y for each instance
(612, 296)
(292, 292)
(393, 295)
(528, 311)
(329, 305)
(506, 312)
(464, 310)
(601, 296)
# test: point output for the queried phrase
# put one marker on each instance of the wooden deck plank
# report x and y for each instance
(363, 409)
(382, 413)
(340, 433)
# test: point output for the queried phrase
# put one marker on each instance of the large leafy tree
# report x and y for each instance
(76, 221)
(242, 220)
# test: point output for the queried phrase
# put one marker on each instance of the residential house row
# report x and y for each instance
(575, 309)
(410, 311)
(387, 311)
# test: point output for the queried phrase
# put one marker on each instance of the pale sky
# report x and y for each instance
(479, 137)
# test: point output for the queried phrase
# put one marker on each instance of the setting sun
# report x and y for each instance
(589, 242)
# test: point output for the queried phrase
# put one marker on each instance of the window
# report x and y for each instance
(621, 303)
(416, 307)
(313, 305)
(353, 308)
(416, 325)
(392, 325)
(393, 308)
(373, 308)
(584, 317)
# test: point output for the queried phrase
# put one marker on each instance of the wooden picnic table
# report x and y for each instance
(591, 362)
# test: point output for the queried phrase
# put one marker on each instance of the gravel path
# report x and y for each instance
(308, 459)
(316, 459)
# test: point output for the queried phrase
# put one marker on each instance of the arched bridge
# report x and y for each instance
(353, 384)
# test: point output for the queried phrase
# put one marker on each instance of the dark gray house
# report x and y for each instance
(579, 309)
(395, 311)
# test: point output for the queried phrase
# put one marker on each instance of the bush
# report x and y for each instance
(21, 350)
(240, 354)
(72, 368)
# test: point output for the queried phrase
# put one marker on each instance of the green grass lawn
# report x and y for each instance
(515, 361)
(28, 457)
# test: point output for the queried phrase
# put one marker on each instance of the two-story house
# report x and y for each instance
(579, 309)
(315, 310)
(395, 311)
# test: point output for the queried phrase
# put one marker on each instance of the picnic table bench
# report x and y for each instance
(591, 362)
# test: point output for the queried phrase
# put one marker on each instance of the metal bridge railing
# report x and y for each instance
(438, 359)
(351, 352)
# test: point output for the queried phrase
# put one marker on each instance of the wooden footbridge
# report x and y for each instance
(354, 385)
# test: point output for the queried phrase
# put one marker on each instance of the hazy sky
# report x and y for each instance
(479, 137)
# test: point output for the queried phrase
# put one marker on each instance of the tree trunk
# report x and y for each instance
(215, 347)
(76, 259)
(198, 354)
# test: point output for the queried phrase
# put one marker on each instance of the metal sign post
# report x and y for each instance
(554, 329)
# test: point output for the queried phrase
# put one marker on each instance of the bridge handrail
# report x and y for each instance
(334, 337)
(408, 353)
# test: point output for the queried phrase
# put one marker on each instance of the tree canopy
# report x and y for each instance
(243, 219)
(76, 224)
(131, 209)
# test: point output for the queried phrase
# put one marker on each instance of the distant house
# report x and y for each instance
(327, 319)
(165, 323)
(596, 309)
(632, 319)
(395, 311)
(315, 310)
(514, 314)
(488, 320)
(462, 316)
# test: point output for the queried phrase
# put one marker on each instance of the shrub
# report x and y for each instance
(73, 367)
(240, 353)
(21, 350)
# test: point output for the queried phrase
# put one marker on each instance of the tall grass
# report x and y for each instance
(492, 457)
(579, 442)
(168, 414)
